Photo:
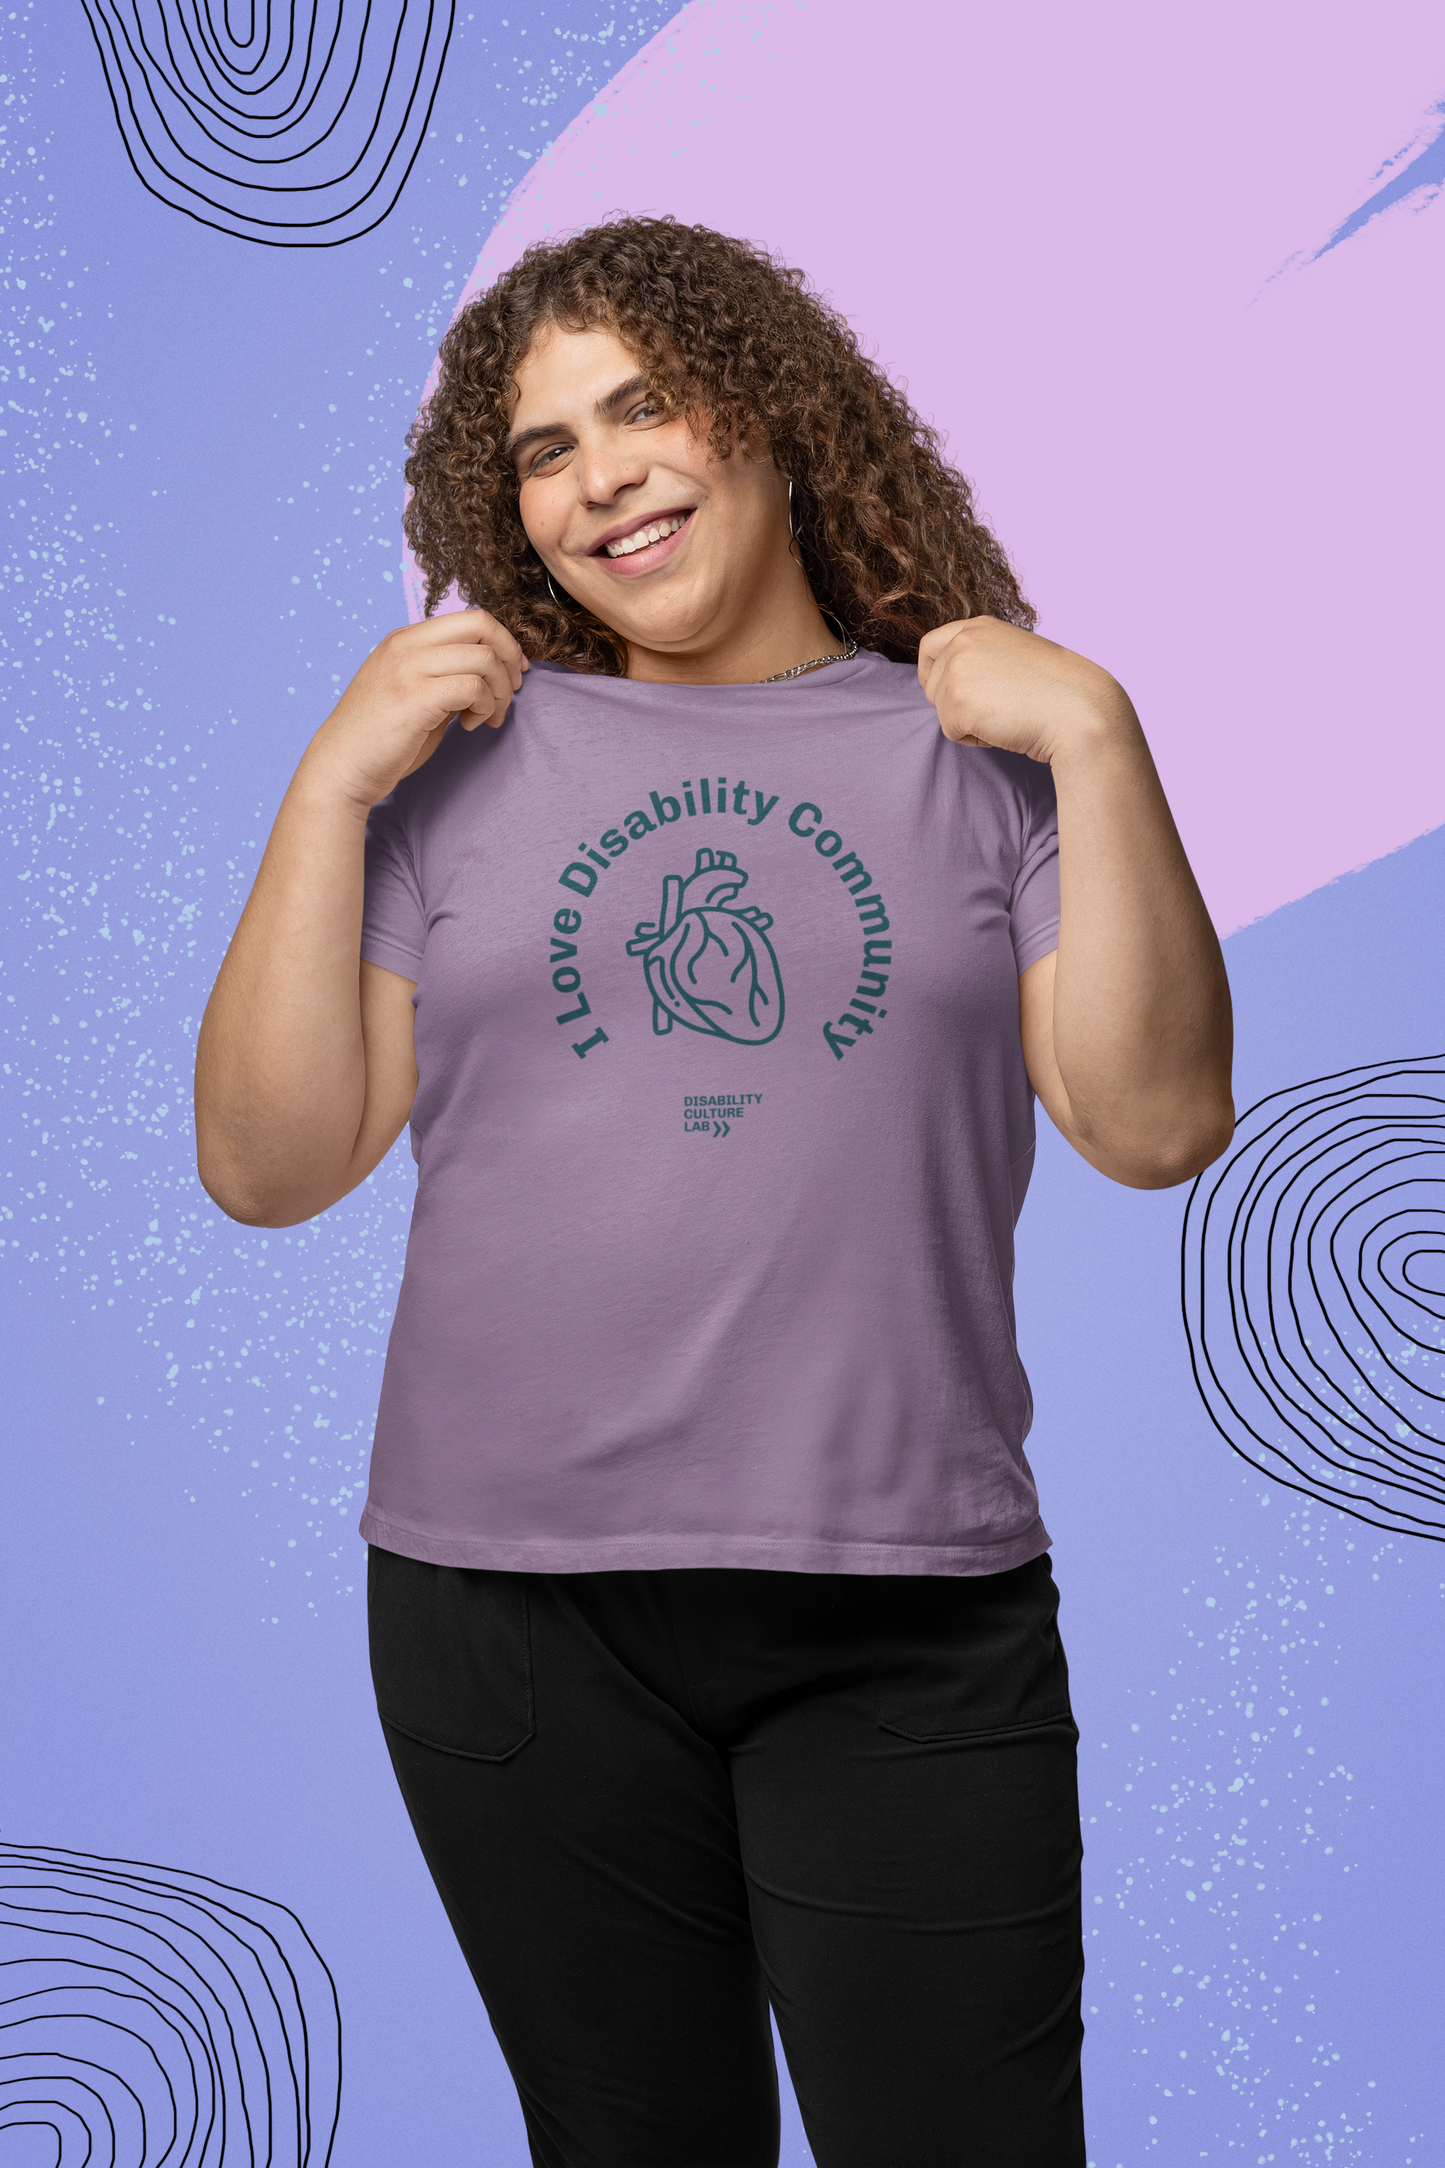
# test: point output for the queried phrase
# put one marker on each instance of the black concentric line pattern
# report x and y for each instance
(296, 128)
(1314, 1292)
(151, 2017)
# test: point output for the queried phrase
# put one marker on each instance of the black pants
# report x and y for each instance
(654, 1803)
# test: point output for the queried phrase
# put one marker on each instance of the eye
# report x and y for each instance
(649, 410)
(553, 451)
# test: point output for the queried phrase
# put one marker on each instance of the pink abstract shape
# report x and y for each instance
(1064, 229)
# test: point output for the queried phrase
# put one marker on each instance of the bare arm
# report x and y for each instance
(305, 1066)
(1127, 1030)
(305, 1069)
(1127, 1027)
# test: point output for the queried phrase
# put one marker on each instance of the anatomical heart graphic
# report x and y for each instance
(709, 965)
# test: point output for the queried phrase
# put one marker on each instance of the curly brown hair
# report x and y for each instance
(887, 529)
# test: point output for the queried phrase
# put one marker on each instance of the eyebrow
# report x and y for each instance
(523, 440)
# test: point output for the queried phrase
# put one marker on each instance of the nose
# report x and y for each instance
(606, 467)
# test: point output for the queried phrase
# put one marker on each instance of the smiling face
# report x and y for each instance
(685, 555)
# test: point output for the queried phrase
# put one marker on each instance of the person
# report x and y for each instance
(712, 1619)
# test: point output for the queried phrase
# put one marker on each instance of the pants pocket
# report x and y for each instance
(974, 1655)
(451, 1655)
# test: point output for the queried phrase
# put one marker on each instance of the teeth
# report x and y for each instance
(657, 532)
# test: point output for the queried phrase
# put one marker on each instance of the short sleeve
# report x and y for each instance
(1034, 903)
(393, 919)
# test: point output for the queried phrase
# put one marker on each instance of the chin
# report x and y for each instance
(667, 624)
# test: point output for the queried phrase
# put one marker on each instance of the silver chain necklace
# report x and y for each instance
(818, 662)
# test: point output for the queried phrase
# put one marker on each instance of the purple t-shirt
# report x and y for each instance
(722, 1129)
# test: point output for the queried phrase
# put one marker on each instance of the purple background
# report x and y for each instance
(1121, 256)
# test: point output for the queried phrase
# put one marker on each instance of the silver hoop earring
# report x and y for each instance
(793, 551)
(552, 590)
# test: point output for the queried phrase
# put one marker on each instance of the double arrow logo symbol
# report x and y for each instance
(720, 1129)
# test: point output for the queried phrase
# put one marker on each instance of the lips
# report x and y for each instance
(647, 542)
(656, 530)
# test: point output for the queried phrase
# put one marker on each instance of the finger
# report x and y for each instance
(486, 657)
(934, 672)
(510, 652)
(459, 694)
(466, 659)
(468, 626)
(931, 646)
(494, 697)
(451, 625)
(496, 637)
